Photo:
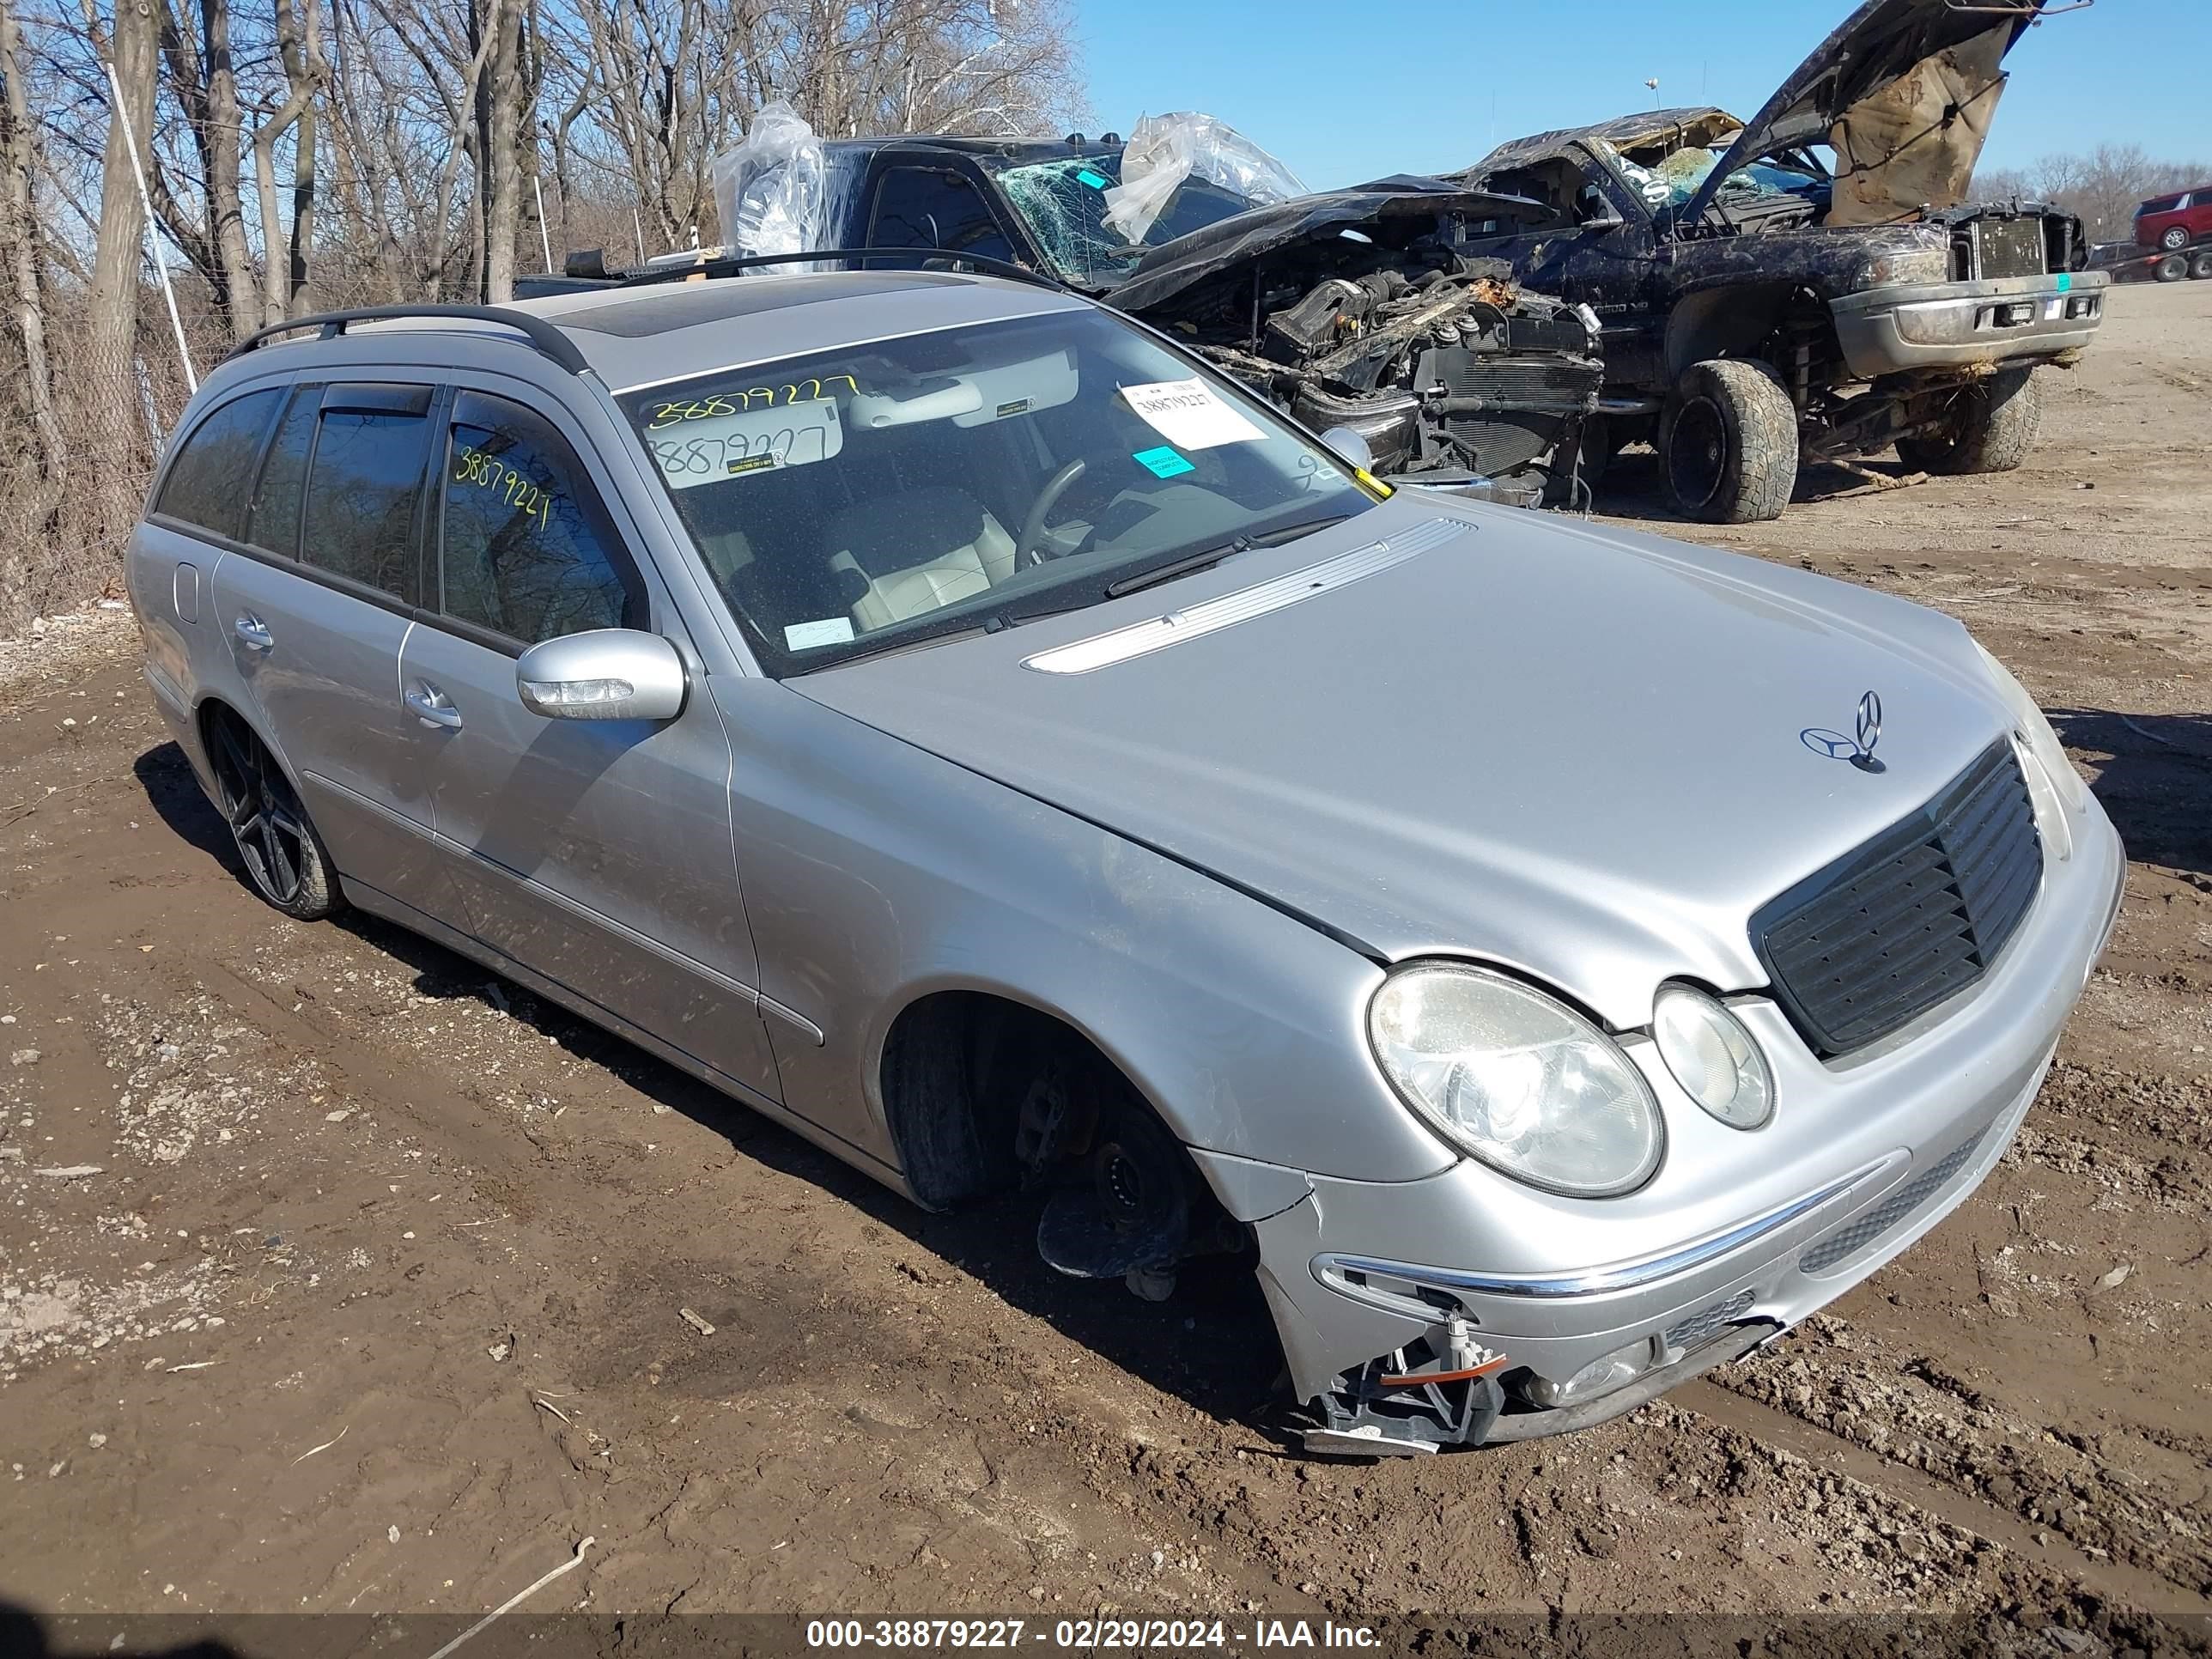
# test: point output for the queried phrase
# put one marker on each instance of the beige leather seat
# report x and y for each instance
(919, 551)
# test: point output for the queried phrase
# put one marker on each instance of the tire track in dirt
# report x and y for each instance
(1833, 1453)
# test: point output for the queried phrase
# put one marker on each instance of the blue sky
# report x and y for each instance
(1346, 92)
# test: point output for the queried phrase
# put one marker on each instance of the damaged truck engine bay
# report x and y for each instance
(1444, 365)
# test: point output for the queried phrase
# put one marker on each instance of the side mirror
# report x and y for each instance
(1603, 222)
(607, 674)
(1349, 445)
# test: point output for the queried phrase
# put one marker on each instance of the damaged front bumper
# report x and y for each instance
(1401, 1338)
(1901, 329)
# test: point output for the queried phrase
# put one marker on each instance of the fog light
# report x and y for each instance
(1600, 1377)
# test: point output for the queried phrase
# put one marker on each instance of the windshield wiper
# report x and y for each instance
(1207, 557)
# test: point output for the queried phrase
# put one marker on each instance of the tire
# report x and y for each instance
(286, 863)
(2173, 237)
(2171, 269)
(1727, 443)
(2200, 268)
(1989, 427)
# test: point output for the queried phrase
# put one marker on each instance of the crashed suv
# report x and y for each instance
(1810, 285)
(1353, 310)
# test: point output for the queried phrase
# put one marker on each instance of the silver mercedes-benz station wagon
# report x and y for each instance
(965, 728)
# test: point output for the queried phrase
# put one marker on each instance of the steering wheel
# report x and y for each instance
(1025, 549)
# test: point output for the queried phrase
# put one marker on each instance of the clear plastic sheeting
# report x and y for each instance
(1163, 150)
(772, 188)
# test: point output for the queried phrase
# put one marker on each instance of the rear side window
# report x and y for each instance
(926, 207)
(526, 547)
(365, 486)
(273, 522)
(207, 483)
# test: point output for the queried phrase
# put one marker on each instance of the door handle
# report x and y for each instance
(431, 708)
(253, 631)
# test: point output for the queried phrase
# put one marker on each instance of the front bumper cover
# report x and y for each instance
(1356, 1270)
(1889, 330)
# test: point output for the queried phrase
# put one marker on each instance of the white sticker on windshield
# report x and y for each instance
(708, 448)
(1187, 414)
(805, 637)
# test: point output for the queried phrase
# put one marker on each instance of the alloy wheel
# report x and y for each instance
(265, 815)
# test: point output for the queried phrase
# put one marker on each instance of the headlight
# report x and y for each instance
(1918, 265)
(1517, 1078)
(1713, 1057)
(2042, 742)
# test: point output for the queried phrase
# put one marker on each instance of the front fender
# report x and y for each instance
(875, 874)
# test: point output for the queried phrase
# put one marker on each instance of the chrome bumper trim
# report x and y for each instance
(1330, 1268)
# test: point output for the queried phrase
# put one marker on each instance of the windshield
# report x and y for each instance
(971, 478)
(1671, 182)
(1064, 205)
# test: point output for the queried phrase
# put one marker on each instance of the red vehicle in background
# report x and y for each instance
(2167, 224)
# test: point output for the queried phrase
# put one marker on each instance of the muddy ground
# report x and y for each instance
(334, 1275)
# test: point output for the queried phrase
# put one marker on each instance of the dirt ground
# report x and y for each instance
(336, 1276)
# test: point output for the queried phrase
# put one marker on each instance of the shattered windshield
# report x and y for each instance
(1670, 183)
(1064, 202)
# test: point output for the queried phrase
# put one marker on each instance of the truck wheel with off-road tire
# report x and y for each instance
(1727, 443)
(1985, 426)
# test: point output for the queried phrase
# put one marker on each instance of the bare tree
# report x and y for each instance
(284, 276)
(202, 77)
(499, 132)
(301, 153)
(114, 312)
(19, 227)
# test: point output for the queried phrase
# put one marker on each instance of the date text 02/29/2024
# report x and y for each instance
(1087, 1634)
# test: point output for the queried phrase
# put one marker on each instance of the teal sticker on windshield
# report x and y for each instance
(1095, 180)
(1163, 463)
(2065, 282)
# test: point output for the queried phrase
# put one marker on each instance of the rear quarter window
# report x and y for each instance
(206, 485)
(274, 520)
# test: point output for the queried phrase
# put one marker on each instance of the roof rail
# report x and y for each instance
(731, 267)
(543, 336)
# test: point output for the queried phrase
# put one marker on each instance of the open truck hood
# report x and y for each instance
(1904, 91)
(1173, 268)
(1573, 751)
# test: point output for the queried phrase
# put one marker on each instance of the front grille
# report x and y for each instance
(1861, 1230)
(1691, 1333)
(1909, 919)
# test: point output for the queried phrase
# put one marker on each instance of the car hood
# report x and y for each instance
(1905, 90)
(1570, 752)
(1166, 273)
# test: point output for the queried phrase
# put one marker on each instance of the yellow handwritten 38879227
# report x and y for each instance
(474, 466)
(813, 389)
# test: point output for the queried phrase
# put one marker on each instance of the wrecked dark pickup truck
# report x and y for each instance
(1810, 285)
(1352, 309)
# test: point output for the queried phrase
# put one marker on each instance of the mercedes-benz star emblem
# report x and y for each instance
(1859, 749)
